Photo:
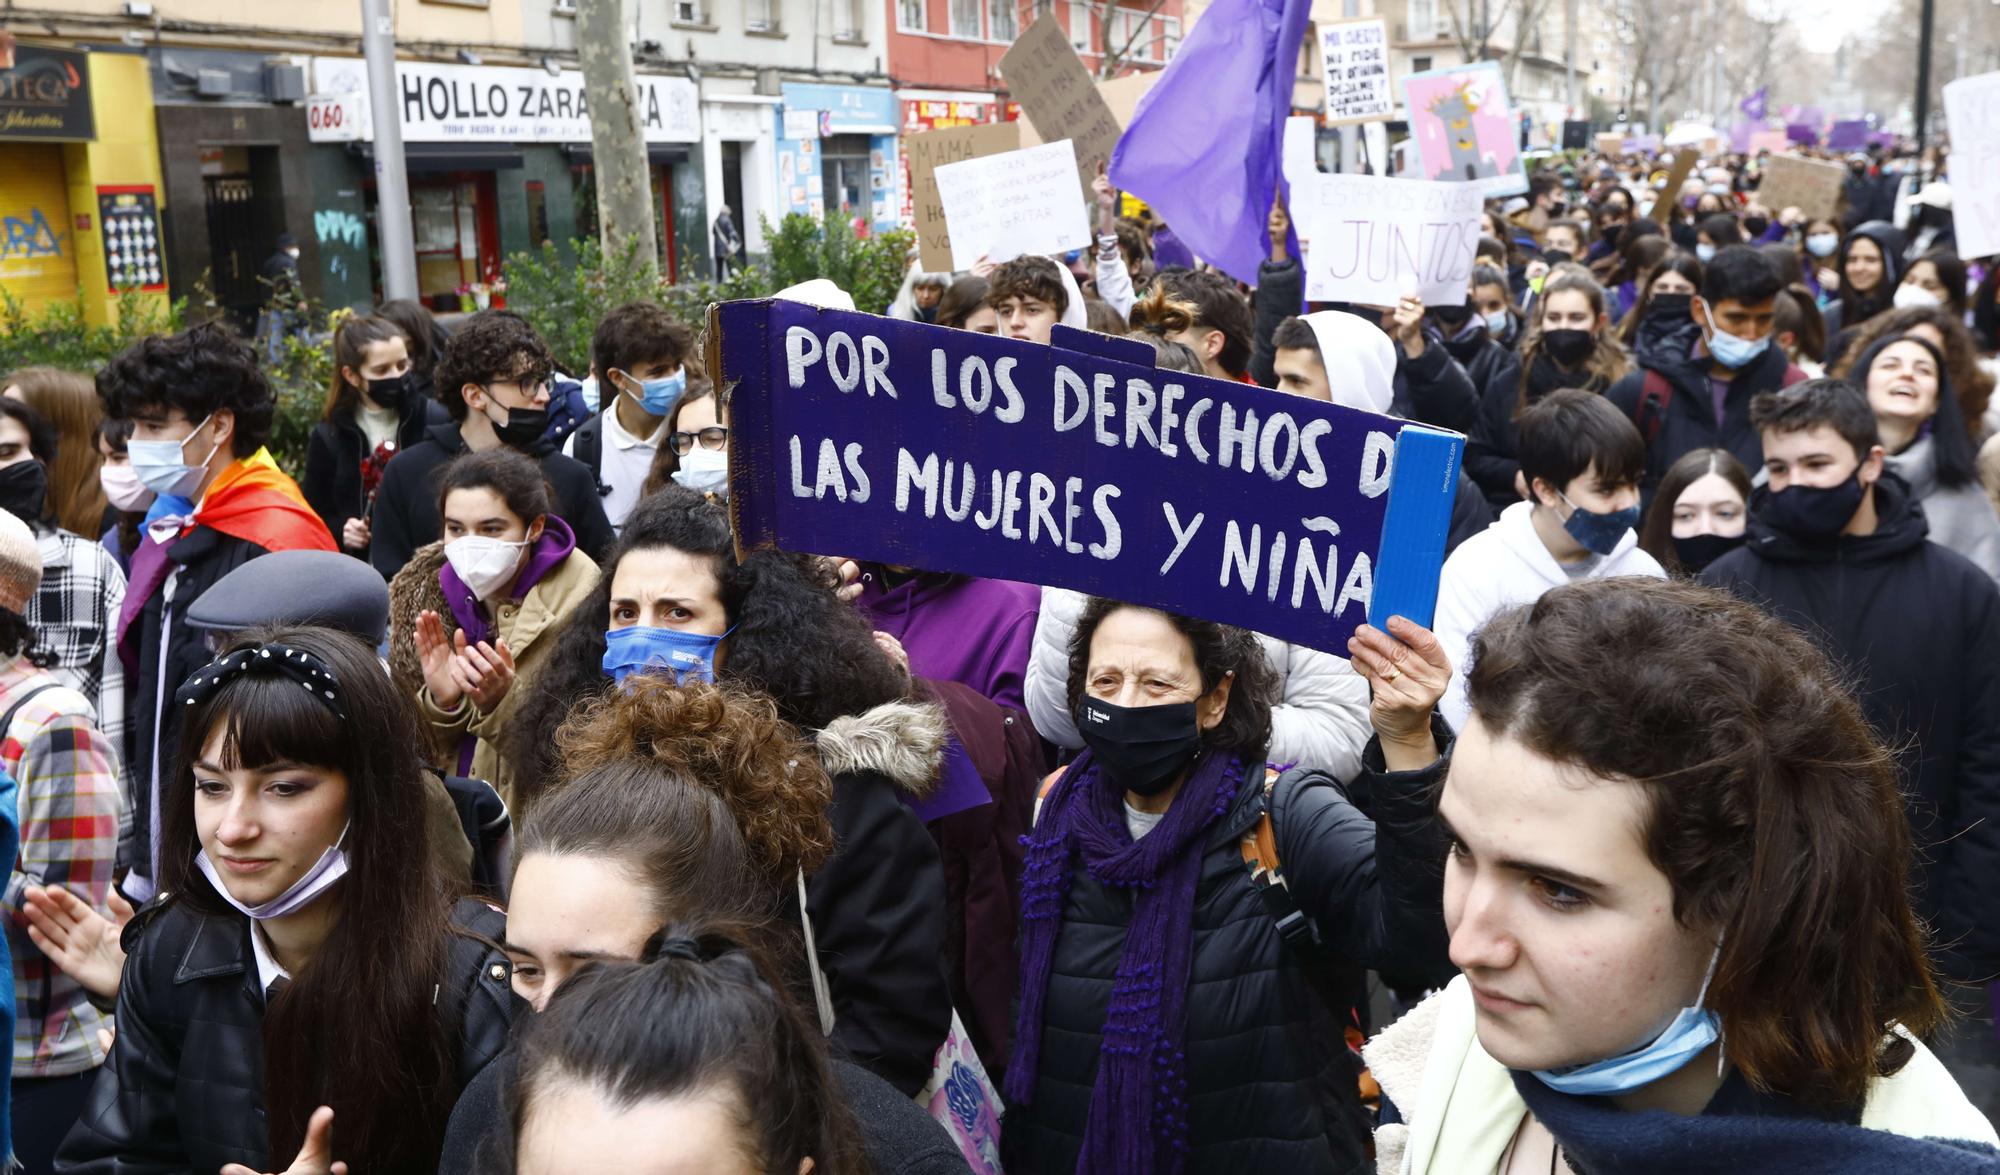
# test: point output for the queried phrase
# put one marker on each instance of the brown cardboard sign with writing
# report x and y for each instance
(1667, 197)
(1611, 143)
(1808, 184)
(927, 152)
(1058, 95)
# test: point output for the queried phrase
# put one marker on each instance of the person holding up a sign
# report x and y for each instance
(1167, 1020)
(1679, 899)
(1581, 461)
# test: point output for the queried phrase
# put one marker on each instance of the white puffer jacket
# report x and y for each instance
(1321, 720)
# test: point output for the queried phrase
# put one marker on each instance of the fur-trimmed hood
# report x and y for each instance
(901, 741)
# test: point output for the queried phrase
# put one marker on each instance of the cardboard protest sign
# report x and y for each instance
(1122, 95)
(1373, 239)
(926, 152)
(1356, 55)
(1077, 465)
(1972, 111)
(1773, 141)
(1611, 143)
(1059, 96)
(1465, 129)
(1017, 202)
(1814, 187)
(1665, 199)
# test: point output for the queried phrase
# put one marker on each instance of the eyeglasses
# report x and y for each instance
(713, 437)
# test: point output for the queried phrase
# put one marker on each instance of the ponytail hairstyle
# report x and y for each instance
(351, 340)
(700, 1016)
(1607, 361)
(359, 1028)
(1769, 804)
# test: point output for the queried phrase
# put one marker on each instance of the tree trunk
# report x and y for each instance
(617, 142)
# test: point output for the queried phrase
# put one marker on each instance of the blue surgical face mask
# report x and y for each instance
(1822, 244)
(1705, 253)
(1498, 322)
(330, 868)
(658, 396)
(1728, 350)
(1598, 533)
(1691, 1031)
(642, 649)
(161, 466)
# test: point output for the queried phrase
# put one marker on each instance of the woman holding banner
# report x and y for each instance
(1680, 902)
(1174, 1010)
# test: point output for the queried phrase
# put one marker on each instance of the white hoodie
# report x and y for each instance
(1502, 566)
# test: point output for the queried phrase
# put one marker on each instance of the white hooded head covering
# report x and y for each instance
(1360, 360)
(1073, 314)
(818, 292)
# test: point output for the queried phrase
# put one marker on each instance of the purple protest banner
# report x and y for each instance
(1798, 132)
(1078, 465)
(1847, 135)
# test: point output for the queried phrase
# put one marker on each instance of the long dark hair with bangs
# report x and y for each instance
(357, 1029)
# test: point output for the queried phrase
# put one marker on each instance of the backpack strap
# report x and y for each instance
(1655, 393)
(7, 719)
(589, 449)
(1259, 847)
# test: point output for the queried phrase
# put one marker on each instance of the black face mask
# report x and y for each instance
(1755, 225)
(1670, 307)
(524, 427)
(1142, 749)
(1568, 347)
(24, 488)
(1814, 512)
(1698, 551)
(1451, 317)
(1611, 233)
(393, 392)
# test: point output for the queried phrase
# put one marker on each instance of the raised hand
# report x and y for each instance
(487, 670)
(1407, 671)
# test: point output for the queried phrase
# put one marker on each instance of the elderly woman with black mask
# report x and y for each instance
(1174, 891)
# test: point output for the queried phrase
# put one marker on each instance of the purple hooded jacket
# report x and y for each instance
(977, 632)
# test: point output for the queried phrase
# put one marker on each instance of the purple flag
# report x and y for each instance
(1204, 147)
(1754, 106)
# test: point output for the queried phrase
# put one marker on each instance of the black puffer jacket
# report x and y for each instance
(183, 1090)
(1271, 1083)
(1688, 421)
(1919, 626)
(878, 906)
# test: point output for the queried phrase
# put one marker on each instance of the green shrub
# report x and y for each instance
(871, 269)
(563, 301)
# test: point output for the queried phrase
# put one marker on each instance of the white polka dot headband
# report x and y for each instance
(307, 670)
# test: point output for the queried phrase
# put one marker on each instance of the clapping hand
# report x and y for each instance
(315, 1156)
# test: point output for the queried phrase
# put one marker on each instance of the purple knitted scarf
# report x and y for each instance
(1138, 1106)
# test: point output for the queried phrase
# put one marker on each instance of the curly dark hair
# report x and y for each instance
(720, 742)
(1219, 651)
(491, 346)
(200, 371)
(1772, 808)
(794, 639)
(1028, 277)
(17, 639)
(635, 334)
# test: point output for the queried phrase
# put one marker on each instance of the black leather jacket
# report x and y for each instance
(183, 1090)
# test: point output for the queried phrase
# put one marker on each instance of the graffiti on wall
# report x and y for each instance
(28, 236)
(339, 230)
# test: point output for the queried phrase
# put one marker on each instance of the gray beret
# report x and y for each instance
(320, 588)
